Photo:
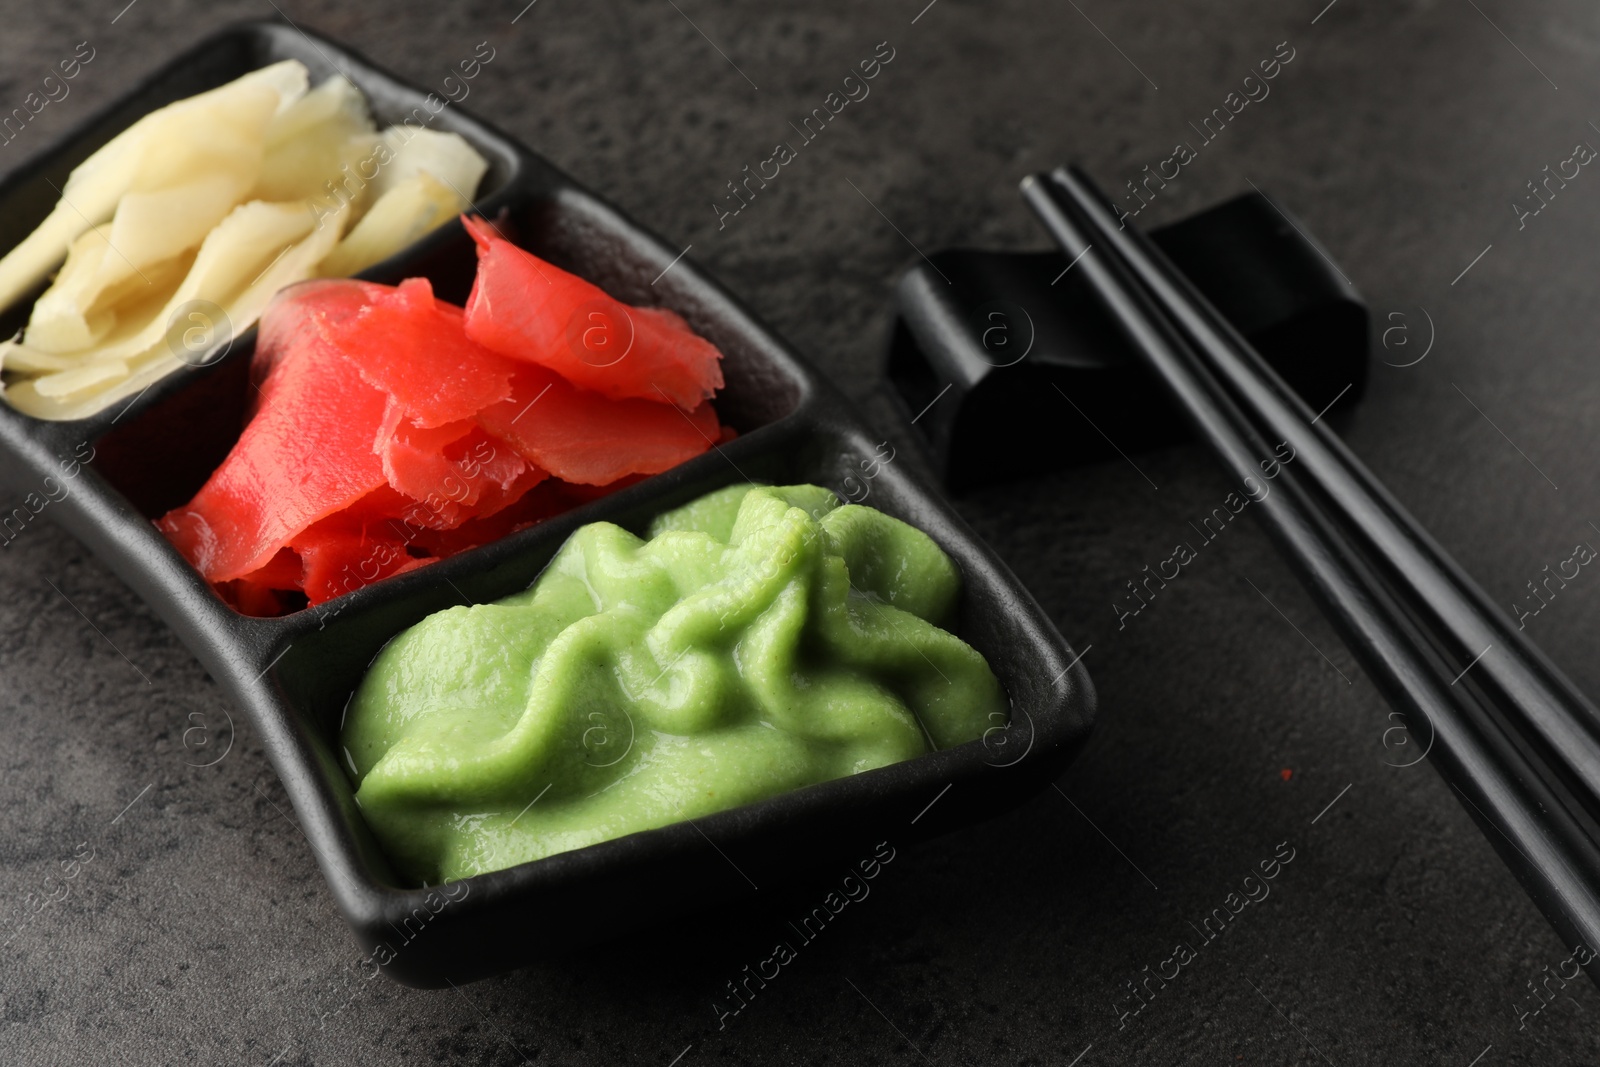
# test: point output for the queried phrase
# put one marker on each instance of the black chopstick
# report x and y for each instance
(1544, 706)
(1507, 791)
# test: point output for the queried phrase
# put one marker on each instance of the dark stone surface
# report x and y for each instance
(200, 929)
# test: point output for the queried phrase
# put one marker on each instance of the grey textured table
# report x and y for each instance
(195, 926)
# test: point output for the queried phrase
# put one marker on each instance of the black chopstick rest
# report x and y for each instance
(987, 344)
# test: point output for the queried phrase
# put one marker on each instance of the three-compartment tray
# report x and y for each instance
(293, 675)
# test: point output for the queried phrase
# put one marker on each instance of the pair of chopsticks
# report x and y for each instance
(1508, 731)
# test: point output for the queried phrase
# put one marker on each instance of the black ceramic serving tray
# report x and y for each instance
(293, 675)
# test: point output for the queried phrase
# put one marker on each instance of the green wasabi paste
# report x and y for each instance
(762, 639)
